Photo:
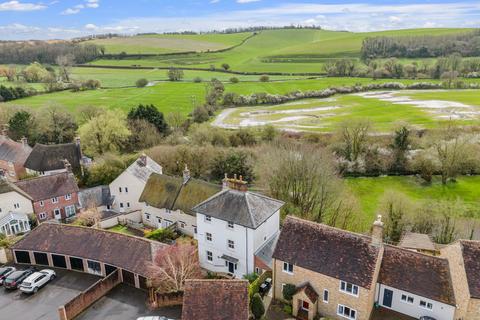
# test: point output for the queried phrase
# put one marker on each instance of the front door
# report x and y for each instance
(58, 214)
(231, 267)
(387, 298)
(305, 305)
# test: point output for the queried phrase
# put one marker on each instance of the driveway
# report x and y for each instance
(125, 303)
(44, 304)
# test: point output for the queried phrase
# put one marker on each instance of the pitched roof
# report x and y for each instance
(247, 209)
(163, 191)
(120, 250)
(13, 151)
(309, 291)
(333, 252)
(46, 187)
(215, 300)
(265, 252)
(142, 170)
(471, 254)
(96, 196)
(417, 241)
(51, 157)
(6, 187)
(417, 273)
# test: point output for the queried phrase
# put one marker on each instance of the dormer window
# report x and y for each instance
(208, 218)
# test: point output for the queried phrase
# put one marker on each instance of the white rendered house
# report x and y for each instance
(233, 225)
(15, 206)
(128, 186)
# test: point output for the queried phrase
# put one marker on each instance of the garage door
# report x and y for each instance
(59, 261)
(76, 264)
(22, 257)
(143, 282)
(41, 258)
(109, 269)
(128, 277)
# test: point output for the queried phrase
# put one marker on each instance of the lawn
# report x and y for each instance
(369, 191)
(285, 50)
(122, 229)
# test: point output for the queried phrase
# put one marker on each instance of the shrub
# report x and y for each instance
(287, 309)
(140, 83)
(257, 307)
(174, 74)
(264, 78)
(254, 287)
(251, 277)
(197, 79)
(225, 66)
(234, 80)
(161, 235)
(288, 291)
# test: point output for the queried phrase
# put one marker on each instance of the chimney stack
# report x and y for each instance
(377, 232)
(142, 161)
(225, 182)
(235, 184)
(5, 130)
(24, 142)
(68, 166)
(186, 175)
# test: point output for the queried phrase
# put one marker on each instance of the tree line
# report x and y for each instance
(465, 44)
(25, 52)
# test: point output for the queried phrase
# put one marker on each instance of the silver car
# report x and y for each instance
(5, 272)
(37, 280)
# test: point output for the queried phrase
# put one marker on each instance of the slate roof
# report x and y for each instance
(309, 291)
(46, 187)
(142, 170)
(123, 251)
(417, 241)
(247, 209)
(333, 252)
(215, 300)
(13, 151)
(471, 260)
(6, 187)
(163, 191)
(51, 157)
(265, 252)
(96, 196)
(417, 273)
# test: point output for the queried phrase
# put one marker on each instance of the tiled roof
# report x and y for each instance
(13, 151)
(123, 251)
(95, 197)
(471, 260)
(46, 187)
(417, 273)
(417, 241)
(215, 300)
(142, 170)
(51, 157)
(163, 191)
(333, 252)
(309, 291)
(244, 208)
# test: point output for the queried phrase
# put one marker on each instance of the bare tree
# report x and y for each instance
(173, 265)
(353, 136)
(89, 218)
(395, 206)
(65, 63)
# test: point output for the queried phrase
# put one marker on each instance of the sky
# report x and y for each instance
(63, 19)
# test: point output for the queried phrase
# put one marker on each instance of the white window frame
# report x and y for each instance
(286, 268)
(327, 293)
(42, 215)
(182, 224)
(426, 305)
(126, 189)
(16, 206)
(208, 236)
(407, 298)
(68, 196)
(210, 256)
(208, 218)
(54, 200)
(147, 216)
(70, 208)
(230, 225)
(343, 315)
(231, 244)
(42, 203)
(120, 189)
(128, 204)
(345, 290)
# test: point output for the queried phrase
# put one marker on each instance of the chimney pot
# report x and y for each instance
(142, 161)
(24, 142)
(186, 175)
(5, 130)
(377, 231)
(68, 166)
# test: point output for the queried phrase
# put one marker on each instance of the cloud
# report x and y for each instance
(214, 1)
(20, 6)
(247, 1)
(91, 26)
(92, 4)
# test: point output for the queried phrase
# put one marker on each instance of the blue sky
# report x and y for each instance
(28, 19)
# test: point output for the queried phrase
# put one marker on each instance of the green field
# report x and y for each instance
(286, 50)
(164, 43)
(370, 191)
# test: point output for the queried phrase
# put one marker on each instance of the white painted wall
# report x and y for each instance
(135, 187)
(157, 215)
(267, 230)
(8, 201)
(440, 311)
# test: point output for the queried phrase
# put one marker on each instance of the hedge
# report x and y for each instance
(255, 285)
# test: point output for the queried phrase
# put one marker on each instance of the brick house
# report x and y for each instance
(53, 196)
(13, 155)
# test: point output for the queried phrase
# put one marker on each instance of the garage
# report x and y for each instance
(22, 257)
(76, 264)
(59, 261)
(41, 258)
(128, 277)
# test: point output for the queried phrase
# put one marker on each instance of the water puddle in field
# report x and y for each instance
(442, 109)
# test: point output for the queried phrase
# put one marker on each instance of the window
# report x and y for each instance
(121, 204)
(128, 204)
(147, 216)
(120, 189)
(349, 288)
(70, 211)
(208, 236)
(194, 229)
(346, 312)
(209, 256)
(407, 299)
(126, 190)
(325, 296)
(168, 211)
(16, 205)
(182, 224)
(230, 224)
(42, 203)
(68, 196)
(426, 305)
(287, 267)
(159, 220)
(231, 244)
(55, 200)
(42, 216)
(208, 218)
(57, 213)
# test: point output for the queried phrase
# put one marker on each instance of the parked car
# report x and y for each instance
(265, 286)
(5, 272)
(14, 279)
(37, 280)
(427, 318)
(154, 318)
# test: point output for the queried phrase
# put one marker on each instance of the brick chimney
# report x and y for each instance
(235, 184)
(142, 161)
(377, 232)
(68, 166)
(5, 130)
(186, 175)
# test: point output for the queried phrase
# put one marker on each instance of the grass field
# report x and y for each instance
(161, 43)
(174, 96)
(287, 50)
(370, 191)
